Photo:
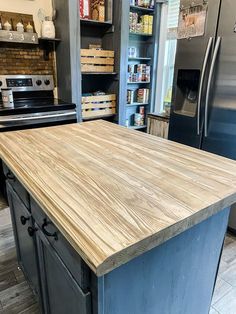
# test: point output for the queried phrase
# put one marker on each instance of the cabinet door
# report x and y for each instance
(24, 238)
(61, 293)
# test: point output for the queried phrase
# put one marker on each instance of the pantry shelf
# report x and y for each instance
(141, 9)
(95, 23)
(137, 104)
(99, 117)
(140, 35)
(140, 30)
(137, 127)
(99, 73)
(139, 58)
(139, 82)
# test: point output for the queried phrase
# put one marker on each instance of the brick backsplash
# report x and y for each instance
(25, 61)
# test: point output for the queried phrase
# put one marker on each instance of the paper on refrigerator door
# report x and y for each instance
(192, 21)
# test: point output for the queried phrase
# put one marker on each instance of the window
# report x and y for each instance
(168, 43)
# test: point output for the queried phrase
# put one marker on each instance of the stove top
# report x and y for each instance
(31, 94)
(23, 106)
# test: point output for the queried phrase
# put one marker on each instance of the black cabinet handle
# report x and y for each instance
(24, 220)
(31, 231)
(10, 176)
(44, 225)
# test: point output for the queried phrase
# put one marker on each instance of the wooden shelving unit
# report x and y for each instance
(75, 78)
(146, 45)
(113, 34)
(102, 33)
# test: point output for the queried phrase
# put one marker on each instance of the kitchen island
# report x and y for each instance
(113, 221)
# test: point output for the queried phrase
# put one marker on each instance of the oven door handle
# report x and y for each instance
(32, 118)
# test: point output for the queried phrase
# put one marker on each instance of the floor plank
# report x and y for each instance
(227, 304)
(221, 289)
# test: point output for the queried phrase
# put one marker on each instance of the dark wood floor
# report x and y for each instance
(16, 296)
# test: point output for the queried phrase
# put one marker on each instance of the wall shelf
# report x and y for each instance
(17, 37)
(141, 9)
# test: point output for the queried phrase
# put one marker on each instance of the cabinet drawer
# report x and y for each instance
(77, 267)
(17, 186)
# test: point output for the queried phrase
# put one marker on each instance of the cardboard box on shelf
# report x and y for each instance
(85, 11)
(98, 10)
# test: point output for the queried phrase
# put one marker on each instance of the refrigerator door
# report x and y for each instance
(192, 65)
(220, 137)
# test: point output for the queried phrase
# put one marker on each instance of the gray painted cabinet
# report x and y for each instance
(54, 271)
(60, 292)
(176, 277)
(25, 242)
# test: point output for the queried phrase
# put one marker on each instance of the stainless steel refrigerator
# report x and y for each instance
(203, 112)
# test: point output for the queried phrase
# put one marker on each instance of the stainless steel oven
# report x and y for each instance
(34, 103)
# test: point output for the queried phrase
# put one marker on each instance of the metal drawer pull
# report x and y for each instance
(10, 176)
(45, 224)
(24, 220)
(31, 231)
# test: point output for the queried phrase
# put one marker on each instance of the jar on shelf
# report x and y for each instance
(29, 28)
(20, 27)
(48, 28)
(7, 26)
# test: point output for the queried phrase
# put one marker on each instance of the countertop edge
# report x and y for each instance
(163, 236)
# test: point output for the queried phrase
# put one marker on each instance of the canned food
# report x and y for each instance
(130, 96)
(7, 98)
(137, 119)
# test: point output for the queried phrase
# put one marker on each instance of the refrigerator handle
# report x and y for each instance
(208, 50)
(212, 68)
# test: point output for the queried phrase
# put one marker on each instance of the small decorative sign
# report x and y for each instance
(192, 21)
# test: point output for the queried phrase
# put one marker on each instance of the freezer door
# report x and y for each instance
(220, 137)
(192, 65)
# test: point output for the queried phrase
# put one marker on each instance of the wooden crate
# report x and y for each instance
(93, 60)
(98, 106)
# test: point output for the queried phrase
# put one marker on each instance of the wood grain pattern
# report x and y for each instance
(116, 193)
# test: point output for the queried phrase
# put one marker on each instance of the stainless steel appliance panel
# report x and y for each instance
(192, 66)
(220, 129)
(32, 119)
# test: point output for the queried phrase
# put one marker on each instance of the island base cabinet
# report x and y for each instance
(177, 277)
(60, 292)
(24, 238)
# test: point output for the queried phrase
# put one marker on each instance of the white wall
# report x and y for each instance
(28, 7)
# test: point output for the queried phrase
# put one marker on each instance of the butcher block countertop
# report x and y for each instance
(116, 193)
